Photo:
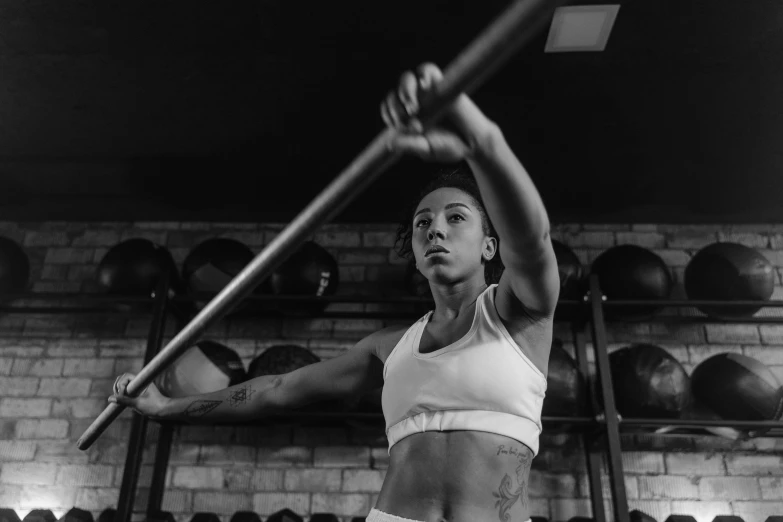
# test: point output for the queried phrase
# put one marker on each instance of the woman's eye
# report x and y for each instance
(420, 222)
(457, 216)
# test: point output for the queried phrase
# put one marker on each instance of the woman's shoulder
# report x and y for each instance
(392, 334)
(387, 338)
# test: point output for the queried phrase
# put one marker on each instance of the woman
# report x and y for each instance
(464, 385)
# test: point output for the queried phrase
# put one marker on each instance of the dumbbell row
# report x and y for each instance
(286, 515)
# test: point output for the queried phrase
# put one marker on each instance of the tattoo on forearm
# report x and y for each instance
(240, 396)
(506, 495)
(201, 408)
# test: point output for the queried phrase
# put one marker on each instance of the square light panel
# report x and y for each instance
(581, 28)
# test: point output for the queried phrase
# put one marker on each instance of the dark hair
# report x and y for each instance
(459, 177)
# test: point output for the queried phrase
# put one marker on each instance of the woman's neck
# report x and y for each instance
(451, 302)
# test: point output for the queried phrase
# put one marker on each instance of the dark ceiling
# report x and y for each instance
(244, 111)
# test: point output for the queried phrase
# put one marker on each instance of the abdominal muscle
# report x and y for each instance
(457, 476)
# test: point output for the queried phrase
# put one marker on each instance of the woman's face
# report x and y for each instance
(448, 218)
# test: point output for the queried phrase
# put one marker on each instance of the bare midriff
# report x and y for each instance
(457, 476)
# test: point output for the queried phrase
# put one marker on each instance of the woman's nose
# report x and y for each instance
(434, 232)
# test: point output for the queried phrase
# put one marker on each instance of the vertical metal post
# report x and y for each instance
(614, 457)
(162, 457)
(593, 455)
(138, 433)
(159, 468)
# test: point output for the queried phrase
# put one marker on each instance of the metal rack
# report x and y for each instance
(612, 423)
(600, 431)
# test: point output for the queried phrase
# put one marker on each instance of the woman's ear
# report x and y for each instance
(490, 248)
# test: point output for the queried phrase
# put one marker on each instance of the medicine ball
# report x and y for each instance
(698, 411)
(639, 516)
(370, 402)
(649, 382)
(738, 387)
(572, 282)
(77, 515)
(570, 270)
(245, 516)
(206, 367)
(284, 515)
(108, 514)
(285, 358)
(416, 285)
(40, 515)
(281, 359)
(729, 272)
(565, 387)
(133, 267)
(632, 272)
(310, 271)
(9, 515)
(205, 517)
(216, 262)
(14, 267)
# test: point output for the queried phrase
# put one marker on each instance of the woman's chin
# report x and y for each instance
(441, 275)
(437, 277)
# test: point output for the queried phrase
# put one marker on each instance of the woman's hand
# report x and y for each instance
(149, 403)
(455, 135)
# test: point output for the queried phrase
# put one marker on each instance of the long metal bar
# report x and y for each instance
(138, 433)
(130, 299)
(614, 456)
(593, 456)
(484, 55)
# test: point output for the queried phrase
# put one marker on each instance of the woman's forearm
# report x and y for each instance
(249, 400)
(512, 200)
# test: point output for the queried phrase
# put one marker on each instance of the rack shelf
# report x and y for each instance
(603, 429)
(308, 418)
(670, 310)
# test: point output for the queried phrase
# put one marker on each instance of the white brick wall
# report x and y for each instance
(56, 372)
(722, 488)
(198, 477)
(694, 464)
(666, 487)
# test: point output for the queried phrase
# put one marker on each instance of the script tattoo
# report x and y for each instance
(201, 408)
(240, 396)
(506, 496)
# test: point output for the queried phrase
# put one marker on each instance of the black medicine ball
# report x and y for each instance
(570, 270)
(572, 281)
(630, 272)
(738, 387)
(565, 387)
(649, 382)
(14, 267)
(283, 359)
(310, 271)
(729, 272)
(214, 263)
(134, 267)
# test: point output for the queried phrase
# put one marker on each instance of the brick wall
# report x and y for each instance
(56, 372)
